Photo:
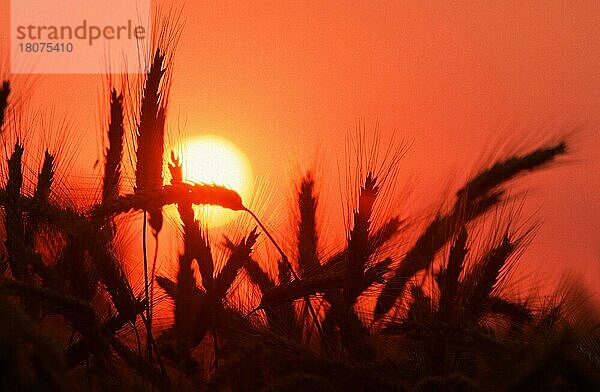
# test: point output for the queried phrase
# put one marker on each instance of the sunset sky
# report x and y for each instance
(287, 82)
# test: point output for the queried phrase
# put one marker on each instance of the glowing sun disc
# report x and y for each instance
(211, 159)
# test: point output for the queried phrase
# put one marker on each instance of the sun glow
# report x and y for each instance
(215, 160)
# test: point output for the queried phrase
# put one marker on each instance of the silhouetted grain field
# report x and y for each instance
(437, 313)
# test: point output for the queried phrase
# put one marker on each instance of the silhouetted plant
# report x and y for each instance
(386, 319)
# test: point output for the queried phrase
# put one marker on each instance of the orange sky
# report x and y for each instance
(287, 81)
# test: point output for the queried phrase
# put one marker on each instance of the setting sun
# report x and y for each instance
(211, 159)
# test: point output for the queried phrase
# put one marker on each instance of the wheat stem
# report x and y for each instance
(286, 261)
(146, 285)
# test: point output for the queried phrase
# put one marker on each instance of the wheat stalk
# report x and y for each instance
(479, 285)
(474, 199)
(184, 291)
(22, 258)
(447, 278)
(238, 258)
(421, 255)
(307, 230)
(199, 194)
(149, 154)
(358, 243)
(4, 93)
(15, 227)
(114, 152)
(42, 191)
(501, 172)
(150, 136)
(45, 178)
(381, 236)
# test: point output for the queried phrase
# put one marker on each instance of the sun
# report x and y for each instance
(211, 159)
